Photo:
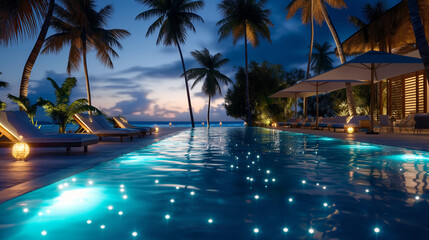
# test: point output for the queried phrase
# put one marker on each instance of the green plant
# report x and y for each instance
(25, 104)
(61, 111)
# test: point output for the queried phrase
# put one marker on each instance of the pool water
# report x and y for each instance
(234, 183)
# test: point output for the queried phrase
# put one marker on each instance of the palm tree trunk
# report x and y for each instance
(249, 117)
(311, 40)
(85, 67)
(419, 33)
(349, 90)
(186, 84)
(208, 114)
(23, 90)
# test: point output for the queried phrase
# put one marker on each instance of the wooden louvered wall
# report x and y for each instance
(407, 94)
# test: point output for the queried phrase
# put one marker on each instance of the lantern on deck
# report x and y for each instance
(156, 129)
(350, 130)
(220, 124)
(170, 124)
(20, 150)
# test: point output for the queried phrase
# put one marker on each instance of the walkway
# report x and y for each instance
(48, 165)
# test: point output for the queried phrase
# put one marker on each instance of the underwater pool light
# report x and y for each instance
(256, 230)
(192, 193)
(266, 180)
(90, 182)
(256, 197)
(134, 234)
(103, 226)
(273, 179)
(25, 210)
(40, 214)
(324, 187)
(172, 200)
(110, 207)
(125, 197)
(122, 190)
(120, 213)
(157, 181)
(74, 179)
(376, 230)
(303, 182)
(285, 229)
(290, 200)
(417, 198)
(367, 190)
(122, 186)
(311, 230)
(177, 187)
(325, 204)
(88, 221)
(44, 233)
(210, 220)
(167, 216)
(268, 172)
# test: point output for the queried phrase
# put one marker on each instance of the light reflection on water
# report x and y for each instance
(340, 189)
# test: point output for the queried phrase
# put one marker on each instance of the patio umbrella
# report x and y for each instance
(371, 66)
(294, 94)
(307, 89)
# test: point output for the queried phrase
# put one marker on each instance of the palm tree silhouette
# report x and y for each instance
(174, 18)
(79, 25)
(3, 85)
(19, 19)
(208, 73)
(25, 104)
(321, 60)
(245, 19)
(321, 15)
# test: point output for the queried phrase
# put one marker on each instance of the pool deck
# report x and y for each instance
(405, 140)
(45, 166)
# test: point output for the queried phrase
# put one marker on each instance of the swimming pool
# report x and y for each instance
(234, 183)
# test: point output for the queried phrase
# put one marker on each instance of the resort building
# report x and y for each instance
(401, 95)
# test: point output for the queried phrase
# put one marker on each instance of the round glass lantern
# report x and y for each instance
(20, 151)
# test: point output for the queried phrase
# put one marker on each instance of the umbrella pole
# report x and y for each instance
(372, 103)
(304, 106)
(317, 105)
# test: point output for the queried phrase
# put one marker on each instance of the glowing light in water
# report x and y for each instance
(40, 214)
(120, 213)
(60, 186)
(156, 181)
(44, 233)
(88, 222)
(367, 190)
(210, 220)
(256, 230)
(192, 193)
(172, 200)
(324, 187)
(110, 207)
(266, 180)
(102, 226)
(256, 196)
(311, 230)
(122, 186)
(167, 216)
(285, 229)
(268, 171)
(122, 190)
(273, 179)
(317, 184)
(177, 187)
(66, 184)
(417, 198)
(25, 210)
(303, 182)
(74, 179)
(325, 204)
(134, 234)
(125, 197)
(290, 200)
(90, 182)
(376, 230)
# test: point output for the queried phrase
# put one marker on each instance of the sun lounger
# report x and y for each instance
(99, 126)
(421, 122)
(123, 123)
(14, 124)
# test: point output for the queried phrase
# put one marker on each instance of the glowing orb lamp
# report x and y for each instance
(157, 129)
(170, 124)
(20, 150)
(350, 130)
(220, 124)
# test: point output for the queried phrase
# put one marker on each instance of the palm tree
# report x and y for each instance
(25, 104)
(320, 15)
(61, 111)
(3, 85)
(371, 13)
(245, 19)
(173, 19)
(79, 25)
(419, 33)
(322, 61)
(208, 73)
(19, 19)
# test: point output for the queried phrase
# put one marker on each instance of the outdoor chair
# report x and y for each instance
(421, 122)
(123, 123)
(99, 126)
(384, 122)
(15, 125)
(407, 123)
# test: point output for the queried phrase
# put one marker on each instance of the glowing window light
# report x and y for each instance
(311, 230)
(256, 230)
(44, 233)
(134, 234)
(285, 229)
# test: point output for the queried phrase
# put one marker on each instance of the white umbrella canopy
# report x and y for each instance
(371, 66)
(286, 94)
(386, 65)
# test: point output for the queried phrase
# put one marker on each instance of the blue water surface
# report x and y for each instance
(234, 183)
